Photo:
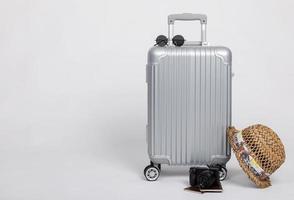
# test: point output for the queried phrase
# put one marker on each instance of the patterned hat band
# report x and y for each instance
(246, 156)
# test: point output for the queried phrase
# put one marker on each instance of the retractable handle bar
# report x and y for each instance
(187, 17)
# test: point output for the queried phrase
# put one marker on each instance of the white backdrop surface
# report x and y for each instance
(73, 94)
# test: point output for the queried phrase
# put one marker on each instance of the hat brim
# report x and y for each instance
(259, 183)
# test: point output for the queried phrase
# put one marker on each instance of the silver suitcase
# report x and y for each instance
(189, 102)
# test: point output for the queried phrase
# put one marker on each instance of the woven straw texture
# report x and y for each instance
(265, 147)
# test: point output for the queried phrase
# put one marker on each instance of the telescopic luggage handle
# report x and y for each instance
(187, 17)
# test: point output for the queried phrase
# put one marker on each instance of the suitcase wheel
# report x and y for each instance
(151, 173)
(222, 173)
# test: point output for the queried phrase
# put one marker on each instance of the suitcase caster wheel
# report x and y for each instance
(151, 173)
(222, 173)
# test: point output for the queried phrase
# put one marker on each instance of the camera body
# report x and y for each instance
(203, 177)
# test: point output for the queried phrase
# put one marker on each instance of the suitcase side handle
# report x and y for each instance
(187, 17)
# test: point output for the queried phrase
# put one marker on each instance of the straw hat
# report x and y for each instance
(259, 151)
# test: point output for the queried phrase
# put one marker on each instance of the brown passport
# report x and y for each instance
(215, 187)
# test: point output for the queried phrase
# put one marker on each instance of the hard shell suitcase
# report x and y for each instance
(189, 102)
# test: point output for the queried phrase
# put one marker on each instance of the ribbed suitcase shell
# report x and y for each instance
(189, 104)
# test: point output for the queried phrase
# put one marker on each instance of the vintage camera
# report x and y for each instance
(203, 177)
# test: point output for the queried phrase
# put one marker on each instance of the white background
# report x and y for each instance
(73, 94)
